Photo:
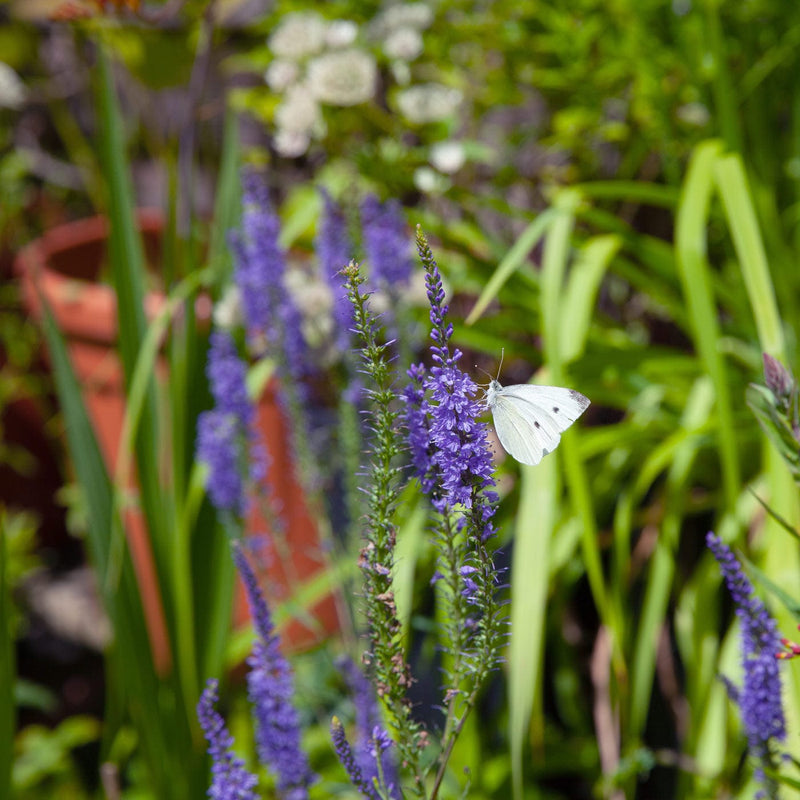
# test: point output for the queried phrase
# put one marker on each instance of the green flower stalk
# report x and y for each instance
(385, 658)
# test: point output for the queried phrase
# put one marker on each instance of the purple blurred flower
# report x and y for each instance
(370, 734)
(231, 780)
(386, 243)
(226, 437)
(345, 754)
(335, 251)
(759, 698)
(260, 269)
(271, 690)
(218, 442)
(227, 376)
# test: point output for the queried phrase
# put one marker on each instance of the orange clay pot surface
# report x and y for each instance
(63, 267)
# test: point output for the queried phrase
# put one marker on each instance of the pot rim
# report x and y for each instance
(83, 308)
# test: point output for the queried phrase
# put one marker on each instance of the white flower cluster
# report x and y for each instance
(399, 29)
(319, 62)
(428, 102)
(315, 62)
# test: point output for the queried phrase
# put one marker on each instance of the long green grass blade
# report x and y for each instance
(513, 260)
(161, 706)
(533, 531)
(227, 206)
(580, 296)
(127, 272)
(132, 673)
(743, 225)
(141, 379)
(694, 272)
(651, 194)
(554, 270)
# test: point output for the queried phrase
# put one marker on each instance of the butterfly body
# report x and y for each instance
(530, 419)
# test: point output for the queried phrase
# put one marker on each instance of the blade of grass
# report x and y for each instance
(182, 592)
(650, 194)
(132, 674)
(693, 269)
(513, 260)
(554, 268)
(162, 707)
(227, 205)
(581, 294)
(740, 212)
(127, 271)
(533, 531)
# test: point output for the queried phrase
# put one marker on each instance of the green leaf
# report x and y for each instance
(690, 245)
(516, 257)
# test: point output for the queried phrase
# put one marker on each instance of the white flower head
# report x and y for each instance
(12, 89)
(428, 102)
(299, 35)
(403, 43)
(280, 75)
(429, 181)
(299, 111)
(228, 309)
(448, 157)
(291, 144)
(314, 299)
(341, 33)
(343, 77)
(402, 15)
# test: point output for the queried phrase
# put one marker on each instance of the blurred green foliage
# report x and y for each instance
(632, 167)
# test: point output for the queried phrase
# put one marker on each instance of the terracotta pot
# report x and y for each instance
(64, 265)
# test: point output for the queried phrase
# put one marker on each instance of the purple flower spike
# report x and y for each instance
(386, 243)
(227, 375)
(458, 442)
(335, 251)
(271, 689)
(218, 447)
(345, 754)
(370, 735)
(226, 436)
(231, 780)
(759, 698)
(270, 314)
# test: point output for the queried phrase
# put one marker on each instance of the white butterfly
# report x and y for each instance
(530, 419)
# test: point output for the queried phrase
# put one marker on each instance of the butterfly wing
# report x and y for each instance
(515, 432)
(529, 419)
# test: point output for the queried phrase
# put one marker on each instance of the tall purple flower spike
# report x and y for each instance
(226, 436)
(271, 690)
(759, 698)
